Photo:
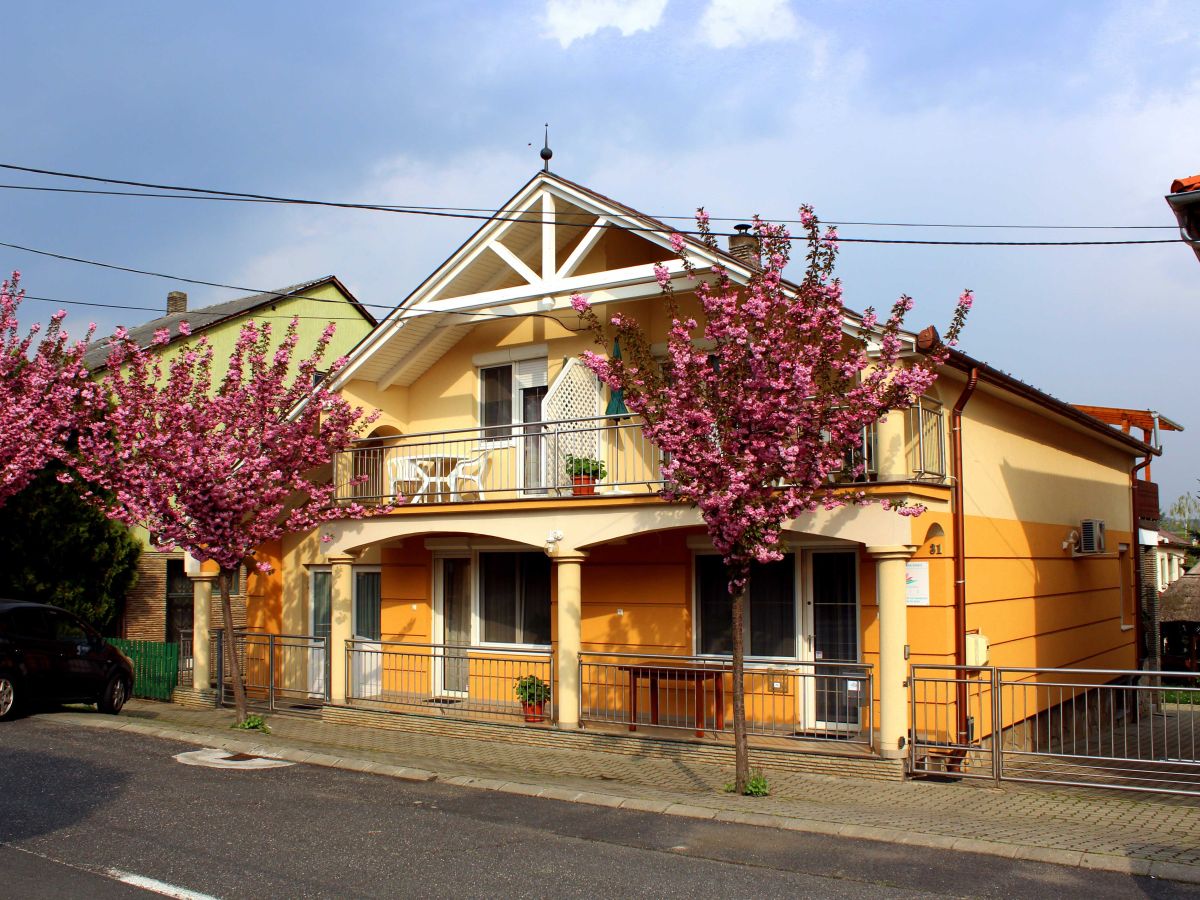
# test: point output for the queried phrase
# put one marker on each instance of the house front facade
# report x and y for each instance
(503, 561)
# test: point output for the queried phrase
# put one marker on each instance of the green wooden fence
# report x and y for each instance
(155, 667)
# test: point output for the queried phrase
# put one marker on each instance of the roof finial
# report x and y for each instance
(546, 151)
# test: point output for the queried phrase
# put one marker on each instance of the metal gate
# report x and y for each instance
(1113, 728)
(280, 672)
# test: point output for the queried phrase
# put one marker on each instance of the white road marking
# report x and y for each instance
(212, 758)
(156, 886)
(140, 881)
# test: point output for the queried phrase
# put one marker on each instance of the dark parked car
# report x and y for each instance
(48, 654)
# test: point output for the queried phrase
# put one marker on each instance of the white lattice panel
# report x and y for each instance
(575, 394)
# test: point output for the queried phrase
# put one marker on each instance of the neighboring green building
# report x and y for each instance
(159, 607)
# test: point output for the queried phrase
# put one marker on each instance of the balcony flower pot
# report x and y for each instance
(533, 693)
(584, 472)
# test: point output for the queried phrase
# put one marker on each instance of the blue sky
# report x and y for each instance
(1063, 113)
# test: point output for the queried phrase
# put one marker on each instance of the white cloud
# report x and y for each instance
(568, 21)
(734, 23)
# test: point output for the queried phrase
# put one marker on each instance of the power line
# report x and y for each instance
(478, 213)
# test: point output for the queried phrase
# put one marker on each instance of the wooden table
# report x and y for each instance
(698, 675)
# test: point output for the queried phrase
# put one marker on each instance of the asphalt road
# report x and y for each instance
(79, 806)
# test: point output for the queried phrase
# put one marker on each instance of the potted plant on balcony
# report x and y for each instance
(533, 694)
(584, 472)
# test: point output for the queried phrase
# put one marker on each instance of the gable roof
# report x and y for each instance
(456, 295)
(210, 316)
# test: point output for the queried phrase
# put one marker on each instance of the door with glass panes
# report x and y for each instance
(320, 626)
(366, 626)
(819, 632)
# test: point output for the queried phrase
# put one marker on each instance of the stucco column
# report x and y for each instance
(893, 638)
(202, 593)
(568, 570)
(891, 437)
(341, 591)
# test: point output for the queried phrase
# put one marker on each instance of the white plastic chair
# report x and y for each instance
(471, 470)
(405, 471)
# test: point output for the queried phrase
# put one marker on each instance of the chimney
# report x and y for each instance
(744, 246)
(176, 302)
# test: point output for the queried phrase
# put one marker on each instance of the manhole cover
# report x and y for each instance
(223, 759)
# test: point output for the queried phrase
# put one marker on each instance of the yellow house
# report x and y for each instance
(160, 605)
(499, 567)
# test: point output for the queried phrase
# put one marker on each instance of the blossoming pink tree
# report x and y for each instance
(39, 391)
(756, 408)
(217, 470)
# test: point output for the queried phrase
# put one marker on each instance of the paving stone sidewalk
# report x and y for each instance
(1139, 834)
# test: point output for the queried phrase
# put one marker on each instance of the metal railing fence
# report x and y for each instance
(784, 698)
(186, 660)
(468, 682)
(1124, 729)
(505, 462)
(279, 671)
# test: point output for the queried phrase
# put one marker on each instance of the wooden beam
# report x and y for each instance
(549, 244)
(581, 249)
(514, 262)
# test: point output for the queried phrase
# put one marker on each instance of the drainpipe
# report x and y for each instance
(1139, 637)
(960, 556)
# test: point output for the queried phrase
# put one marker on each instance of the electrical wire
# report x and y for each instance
(478, 214)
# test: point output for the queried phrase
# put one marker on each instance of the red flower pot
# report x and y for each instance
(534, 712)
(583, 485)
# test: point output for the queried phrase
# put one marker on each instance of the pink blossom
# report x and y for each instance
(579, 303)
(40, 386)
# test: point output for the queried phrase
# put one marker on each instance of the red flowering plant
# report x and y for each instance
(754, 409)
(219, 469)
(39, 391)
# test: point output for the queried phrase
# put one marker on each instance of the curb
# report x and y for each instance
(1105, 862)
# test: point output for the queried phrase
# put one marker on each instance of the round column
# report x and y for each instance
(202, 594)
(340, 625)
(893, 638)
(568, 570)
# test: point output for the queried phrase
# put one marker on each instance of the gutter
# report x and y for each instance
(960, 556)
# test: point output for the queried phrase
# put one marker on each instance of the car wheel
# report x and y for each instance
(116, 692)
(8, 697)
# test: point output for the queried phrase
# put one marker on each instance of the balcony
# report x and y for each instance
(530, 461)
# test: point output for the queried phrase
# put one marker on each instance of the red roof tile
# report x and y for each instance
(1183, 185)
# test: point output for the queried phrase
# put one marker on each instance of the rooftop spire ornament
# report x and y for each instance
(546, 152)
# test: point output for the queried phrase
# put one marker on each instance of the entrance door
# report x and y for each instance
(180, 605)
(456, 624)
(533, 456)
(833, 624)
(320, 625)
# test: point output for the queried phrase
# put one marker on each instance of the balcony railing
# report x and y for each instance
(522, 461)
(527, 460)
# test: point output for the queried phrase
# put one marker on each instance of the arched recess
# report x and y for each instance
(368, 461)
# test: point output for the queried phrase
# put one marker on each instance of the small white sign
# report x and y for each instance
(916, 583)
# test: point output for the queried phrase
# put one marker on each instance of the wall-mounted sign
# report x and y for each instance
(916, 583)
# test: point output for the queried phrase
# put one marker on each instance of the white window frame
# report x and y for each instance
(799, 602)
(476, 599)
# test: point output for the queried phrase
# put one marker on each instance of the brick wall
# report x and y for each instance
(145, 615)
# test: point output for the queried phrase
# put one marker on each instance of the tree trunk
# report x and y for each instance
(740, 748)
(235, 667)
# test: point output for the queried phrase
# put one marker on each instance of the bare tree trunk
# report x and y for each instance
(740, 747)
(235, 667)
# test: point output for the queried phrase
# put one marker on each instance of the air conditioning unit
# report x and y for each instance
(1091, 536)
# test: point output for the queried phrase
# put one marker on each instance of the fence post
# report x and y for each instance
(997, 726)
(271, 672)
(220, 667)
